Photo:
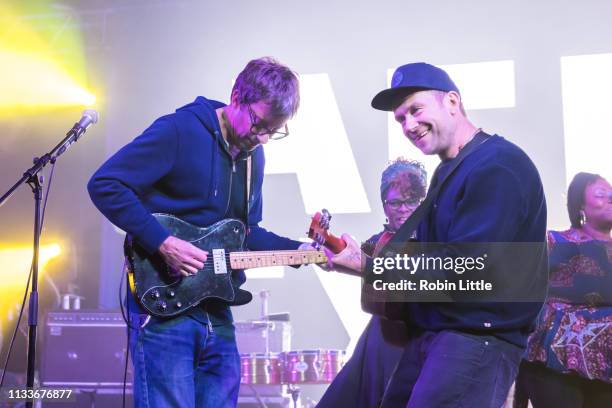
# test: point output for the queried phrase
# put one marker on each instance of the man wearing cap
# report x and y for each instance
(485, 190)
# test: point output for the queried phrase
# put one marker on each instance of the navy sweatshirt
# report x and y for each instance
(181, 165)
(495, 195)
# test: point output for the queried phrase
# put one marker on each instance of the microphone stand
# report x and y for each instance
(31, 177)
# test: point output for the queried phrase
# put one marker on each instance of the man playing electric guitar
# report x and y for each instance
(202, 164)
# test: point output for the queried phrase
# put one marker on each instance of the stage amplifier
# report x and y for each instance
(84, 349)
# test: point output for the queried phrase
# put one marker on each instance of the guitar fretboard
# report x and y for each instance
(259, 259)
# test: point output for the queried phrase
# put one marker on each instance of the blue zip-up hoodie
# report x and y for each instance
(180, 165)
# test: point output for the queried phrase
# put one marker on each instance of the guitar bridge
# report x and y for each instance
(219, 263)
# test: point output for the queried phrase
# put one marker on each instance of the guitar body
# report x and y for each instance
(371, 301)
(388, 310)
(165, 296)
(319, 232)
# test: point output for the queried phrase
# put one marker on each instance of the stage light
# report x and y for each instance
(48, 252)
(42, 61)
(15, 265)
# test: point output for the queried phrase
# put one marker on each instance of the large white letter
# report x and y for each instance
(586, 84)
(319, 152)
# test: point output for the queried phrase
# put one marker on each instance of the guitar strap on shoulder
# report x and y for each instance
(406, 231)
(248, 189)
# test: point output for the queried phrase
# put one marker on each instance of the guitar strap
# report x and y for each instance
(406, 231)
(248, 189)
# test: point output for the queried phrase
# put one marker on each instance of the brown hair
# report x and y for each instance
(265, 79)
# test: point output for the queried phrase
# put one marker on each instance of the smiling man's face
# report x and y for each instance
(428, 119)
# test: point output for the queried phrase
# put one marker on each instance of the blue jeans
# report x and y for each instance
(184, 363)
(453, 369)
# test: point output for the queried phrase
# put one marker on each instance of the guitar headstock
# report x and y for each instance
(319, 232)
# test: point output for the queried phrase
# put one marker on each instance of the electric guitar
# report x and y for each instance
(163, 295)
(319, 232)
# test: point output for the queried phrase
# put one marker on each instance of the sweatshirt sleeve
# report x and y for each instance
(116, 187)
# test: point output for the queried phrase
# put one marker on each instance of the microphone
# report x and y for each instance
(90, 117)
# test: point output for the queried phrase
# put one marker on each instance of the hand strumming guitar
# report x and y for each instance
(182, 257)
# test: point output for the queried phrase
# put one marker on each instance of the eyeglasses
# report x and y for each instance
(258, 130)
(410, 204)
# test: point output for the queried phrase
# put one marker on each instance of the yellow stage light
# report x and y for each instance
(15, 265)
(41, 67)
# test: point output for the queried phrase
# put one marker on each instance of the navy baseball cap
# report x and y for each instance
(410, 78)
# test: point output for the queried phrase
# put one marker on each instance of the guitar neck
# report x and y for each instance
(260, 259)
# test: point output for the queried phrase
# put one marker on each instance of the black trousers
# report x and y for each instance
(546, 388)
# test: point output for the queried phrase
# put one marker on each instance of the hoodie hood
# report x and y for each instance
(204, 110)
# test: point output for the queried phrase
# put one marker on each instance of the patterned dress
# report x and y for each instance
(574, 328)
